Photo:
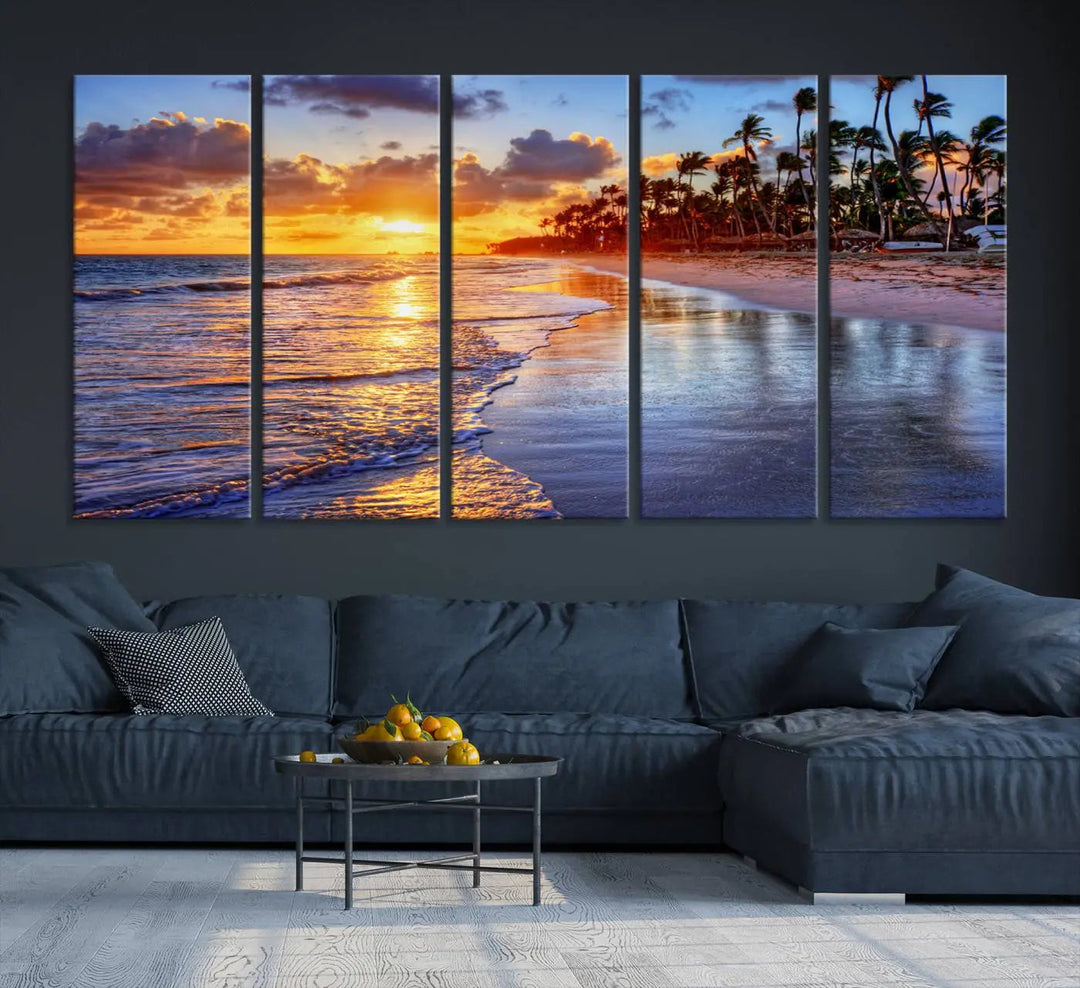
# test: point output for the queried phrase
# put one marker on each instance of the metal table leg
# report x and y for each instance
(299, 833)
(536, 841)
(476, 840)
(348, 844)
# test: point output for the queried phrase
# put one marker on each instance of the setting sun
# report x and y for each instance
(401, 226)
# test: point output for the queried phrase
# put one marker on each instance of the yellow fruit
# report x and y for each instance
(431, 724)
(337, 761)
(449, 730)
(411, 731)
(308, 756)
(399, 714)
(368, 734)
(415, 760)
(384, 731)
(462, 753)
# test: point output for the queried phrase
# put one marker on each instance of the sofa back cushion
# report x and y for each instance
(741, 650)
(466, 656)
(284, 644)
(1015, 652)
(48, 661)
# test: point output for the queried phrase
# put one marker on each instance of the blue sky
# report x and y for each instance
(593, 104)
(127, 99)
(336, 137)
(973, 96)
(697, 113)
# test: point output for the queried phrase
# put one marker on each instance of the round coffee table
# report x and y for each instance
(510, 767)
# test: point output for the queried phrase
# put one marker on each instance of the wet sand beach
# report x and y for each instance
(961, 289)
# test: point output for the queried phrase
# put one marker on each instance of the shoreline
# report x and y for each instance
(563, 422)
(965, 289)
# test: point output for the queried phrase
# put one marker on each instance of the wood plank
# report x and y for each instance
(55, 949)
(214, 918)
(154, 941)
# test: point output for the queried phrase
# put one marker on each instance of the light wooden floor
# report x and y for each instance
(117, 918)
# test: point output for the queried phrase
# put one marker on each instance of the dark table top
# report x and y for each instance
(509, 767)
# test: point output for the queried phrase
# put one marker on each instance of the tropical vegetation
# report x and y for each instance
(883, 182)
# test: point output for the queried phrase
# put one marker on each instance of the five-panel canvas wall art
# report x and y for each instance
(350, 356)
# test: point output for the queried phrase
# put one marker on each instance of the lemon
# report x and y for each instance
(462, 753)
(337, 761)
(411, 731)
(384, 731)
(449, 730)
(399, 714)
(308, 756)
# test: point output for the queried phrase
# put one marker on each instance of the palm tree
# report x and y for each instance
(805, 101)
(935, 105)
(878, 201)
(863, 137)
(691, 163)
(728, 171)
(752, 131)
(978, 154)
(889, 84)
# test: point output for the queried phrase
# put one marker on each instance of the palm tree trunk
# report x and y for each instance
(901, 164)
(798, 154)
(940, 165)
(878, 201)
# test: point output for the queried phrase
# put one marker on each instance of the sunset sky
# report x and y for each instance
(973, 97)
(162, 164)
(697, 113)
(352, 164)
(538, 144)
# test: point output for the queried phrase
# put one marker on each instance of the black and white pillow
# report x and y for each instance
(188, 670)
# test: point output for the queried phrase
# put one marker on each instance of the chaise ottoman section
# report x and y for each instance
(848, 800)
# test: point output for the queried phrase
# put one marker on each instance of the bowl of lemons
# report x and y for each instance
(408, 736)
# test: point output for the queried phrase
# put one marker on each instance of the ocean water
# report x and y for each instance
(351, 386)
(917, 420)
(162, 357)
(350, 383)
(729, 405)
(536, 462)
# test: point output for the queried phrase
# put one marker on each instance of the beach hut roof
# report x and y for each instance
(924, 230)
(852, 233)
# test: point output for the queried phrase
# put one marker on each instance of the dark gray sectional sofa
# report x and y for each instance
(665, 712)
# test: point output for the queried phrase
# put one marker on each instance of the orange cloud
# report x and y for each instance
(170, 179)
(656, 165)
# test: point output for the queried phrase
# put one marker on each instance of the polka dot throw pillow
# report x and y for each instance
(188, 670)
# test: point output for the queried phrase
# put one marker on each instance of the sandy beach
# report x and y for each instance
(964, 289)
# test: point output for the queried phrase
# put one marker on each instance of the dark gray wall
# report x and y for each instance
(1037, 547)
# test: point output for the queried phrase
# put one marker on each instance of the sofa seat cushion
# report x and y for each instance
(77, 761)
(467, 656)
(48, 662)
(860, 780)
(284, 644)
(612, 762)
(742, 651)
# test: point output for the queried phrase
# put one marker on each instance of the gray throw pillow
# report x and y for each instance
(1015, 652)
(879, 669)
(48, 662)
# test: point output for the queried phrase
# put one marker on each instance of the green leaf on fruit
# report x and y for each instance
(424, 736)
(390, 727)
